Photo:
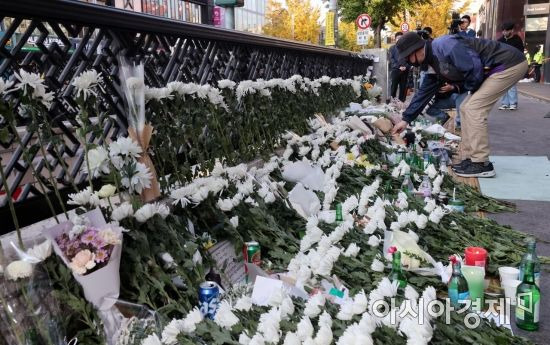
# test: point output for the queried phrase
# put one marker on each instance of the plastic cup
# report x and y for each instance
(508, 273)
(475, 276)
(510, 288)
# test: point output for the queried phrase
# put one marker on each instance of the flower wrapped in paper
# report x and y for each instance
(92, 250)
(133, 88)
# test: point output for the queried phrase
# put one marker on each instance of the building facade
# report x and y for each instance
(251, 17)
(531, 18)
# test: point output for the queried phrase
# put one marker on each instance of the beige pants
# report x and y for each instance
(474, 111)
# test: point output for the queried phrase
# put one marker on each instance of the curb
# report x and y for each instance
(527, 93)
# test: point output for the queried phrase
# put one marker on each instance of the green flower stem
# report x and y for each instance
(52, 179)
(12, 211)
(35, 173)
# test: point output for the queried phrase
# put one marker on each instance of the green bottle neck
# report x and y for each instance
(456, 269)
(532, 248)
(396, 261)
(529, 275)
(339, 217)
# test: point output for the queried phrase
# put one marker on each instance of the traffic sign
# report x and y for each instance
(362, 37)
(405, 27)
(363, 21)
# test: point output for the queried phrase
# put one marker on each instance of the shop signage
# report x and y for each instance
(534, 9)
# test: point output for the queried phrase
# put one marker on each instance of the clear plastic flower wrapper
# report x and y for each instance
(92, 249)
(136, 321)
(28, 310)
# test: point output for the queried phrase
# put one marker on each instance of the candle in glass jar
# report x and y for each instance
(476, 256)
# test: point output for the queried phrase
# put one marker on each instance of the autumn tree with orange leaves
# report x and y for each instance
(293, 19)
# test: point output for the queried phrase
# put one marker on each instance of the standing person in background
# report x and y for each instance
(427, 35)
(399, 72)
(464, 27)
(510, 98)
(538, 59)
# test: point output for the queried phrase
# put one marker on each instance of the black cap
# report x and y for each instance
(408, 44)
(508, 26)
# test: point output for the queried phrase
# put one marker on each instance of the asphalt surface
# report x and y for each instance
(527, 132)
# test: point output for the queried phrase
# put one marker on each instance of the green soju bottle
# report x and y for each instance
(339, 217)
(528, 300)
(407, 185)
(458, 286)
(530, 255)
(396, 273)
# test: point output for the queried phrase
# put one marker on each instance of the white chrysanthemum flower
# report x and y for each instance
(430, 205)
(431, 171)
(244, 339)
(244, 303)
(367, 323)
(313, 305)
(97, 161)
(324, 336)
(257, 339)
(123, 150)
(360, 303)
(374, 241)
(352, 250)
(86, 82)
(436, 215)
(41, 251)
(28, 80)
(346, 311)
(152, 339)
(370, 227)
(422, 221)
(287, 307)
(149, 210)
(124, 210)
(325, 320)
(138, 179)
(292, 338)
(304, 329)
(191, 320)
(46, 98)
(171, 331)
(410, 293)
(226, 84)
(225, 204)
(225, 318)
(84, 198)
(5, 86)
(437, 185)
(18, 270)
(388, 288)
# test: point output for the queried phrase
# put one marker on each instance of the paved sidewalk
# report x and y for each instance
(518, 133)
(535, 90)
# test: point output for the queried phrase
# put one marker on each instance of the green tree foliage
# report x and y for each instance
(381, 12)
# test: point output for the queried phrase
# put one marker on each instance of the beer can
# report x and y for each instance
(209, 299)
(251, 254)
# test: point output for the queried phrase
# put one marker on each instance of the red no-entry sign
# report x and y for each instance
(363, 21)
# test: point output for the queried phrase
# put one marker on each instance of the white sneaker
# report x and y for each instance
(503, 107)
(513, 106)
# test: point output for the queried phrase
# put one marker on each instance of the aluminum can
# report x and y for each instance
(209, 299)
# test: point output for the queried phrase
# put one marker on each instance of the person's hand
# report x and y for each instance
(446, 88)
(402, 68)
(399, 127)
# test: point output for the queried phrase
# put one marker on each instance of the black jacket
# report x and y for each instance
(514, 41)
(395, 62)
